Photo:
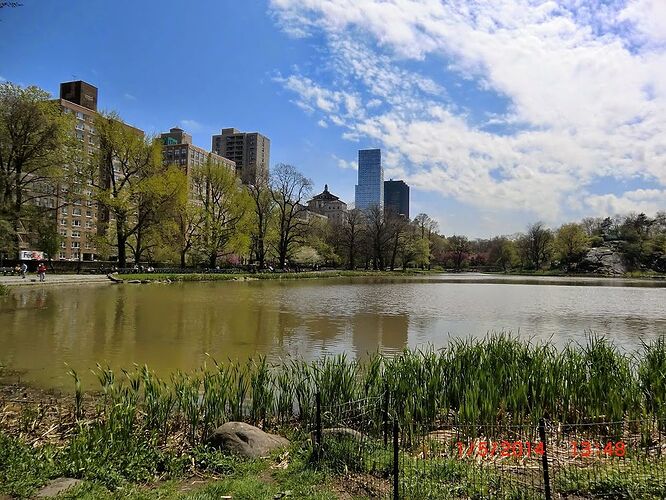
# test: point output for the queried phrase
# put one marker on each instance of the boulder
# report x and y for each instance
(246, 440)
(57, 486)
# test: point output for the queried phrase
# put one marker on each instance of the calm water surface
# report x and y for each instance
(172, 327)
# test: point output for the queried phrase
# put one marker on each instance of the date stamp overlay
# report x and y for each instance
(487, 449)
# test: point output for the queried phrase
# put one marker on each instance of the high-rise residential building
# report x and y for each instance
(250, 151)
(370, 187)
(326, 203)
(177, 148)
(78, 212)
(396, 197)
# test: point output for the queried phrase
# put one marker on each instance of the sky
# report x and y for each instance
(497, 114)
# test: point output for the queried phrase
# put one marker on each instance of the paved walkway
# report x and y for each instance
(32, 279)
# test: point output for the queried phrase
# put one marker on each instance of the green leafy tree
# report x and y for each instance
(35, 144)
(225, 205)
(135, 189)
(571, 243)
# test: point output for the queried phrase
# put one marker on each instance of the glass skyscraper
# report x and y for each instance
(370, 187)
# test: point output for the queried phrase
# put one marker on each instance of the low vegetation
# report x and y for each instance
(138, 428)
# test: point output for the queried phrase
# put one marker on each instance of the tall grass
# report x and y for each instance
(497, 380)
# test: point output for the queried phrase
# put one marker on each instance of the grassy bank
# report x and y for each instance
(138, 428)
(265, 276)
(4, 290)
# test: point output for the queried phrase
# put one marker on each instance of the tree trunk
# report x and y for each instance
(212, 260)
(182, 258)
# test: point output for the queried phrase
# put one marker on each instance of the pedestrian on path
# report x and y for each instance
(41, 270)
(24, 269)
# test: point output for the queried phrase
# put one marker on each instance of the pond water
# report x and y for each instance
(46, 330)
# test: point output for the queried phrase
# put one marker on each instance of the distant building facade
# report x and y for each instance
(396, 197)
(329, 205)
(249, 151)
(370, 187)
(177, 149)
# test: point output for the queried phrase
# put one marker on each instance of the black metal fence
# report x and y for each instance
(381, 459)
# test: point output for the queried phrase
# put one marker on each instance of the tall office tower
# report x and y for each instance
(250, 151)
(370, 187)
(396, 197)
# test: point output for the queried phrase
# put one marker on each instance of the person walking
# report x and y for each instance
(24, 269)
(41, 270)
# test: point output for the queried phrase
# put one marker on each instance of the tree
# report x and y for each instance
(571, 243)
(264, 208)
(379, 235)
(396, 225)
(539, 241)
(35, 144)
(160, 198)
(426, 225)
(350, 234)
(459, 248)
(289, 189)
(131, 183)
(502, 253)
(190, 222)
(225, 205)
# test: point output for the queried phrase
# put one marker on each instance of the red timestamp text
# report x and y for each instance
(485, 449)
(587, 449)
(520, 449)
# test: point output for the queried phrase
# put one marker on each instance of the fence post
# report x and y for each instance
(318, 425)
(544, 458)
(385, 414)
(396, 463)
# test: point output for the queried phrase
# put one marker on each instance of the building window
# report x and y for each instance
(63, 222)
(80, 115)
(88, 246)
(63, 255)
(63, 210)
(88, 213)
(76, 223)
(89, 224)
(76, 244)
(76, 234)
(63, 232)
(62, 245)
(76, 211)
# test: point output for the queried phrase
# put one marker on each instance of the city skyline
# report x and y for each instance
(484, 148)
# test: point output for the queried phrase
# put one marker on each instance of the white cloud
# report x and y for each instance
(129, 96)
(2, 79)
(585, 84)
(191, 125)
(345, 164)
(322, 123)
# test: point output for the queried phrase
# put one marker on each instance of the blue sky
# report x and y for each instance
(496, 115)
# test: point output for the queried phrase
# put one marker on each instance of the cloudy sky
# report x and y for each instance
(496, 113)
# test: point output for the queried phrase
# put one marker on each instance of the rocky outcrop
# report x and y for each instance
(246, 440)
(603, 260)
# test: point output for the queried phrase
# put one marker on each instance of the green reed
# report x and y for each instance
(496, 380)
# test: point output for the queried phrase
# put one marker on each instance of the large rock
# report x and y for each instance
(57, 486)
(246, 440)
(603, 260)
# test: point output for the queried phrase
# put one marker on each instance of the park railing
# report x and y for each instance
(382, 459)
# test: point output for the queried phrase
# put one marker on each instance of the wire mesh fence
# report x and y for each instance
(449, 459)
